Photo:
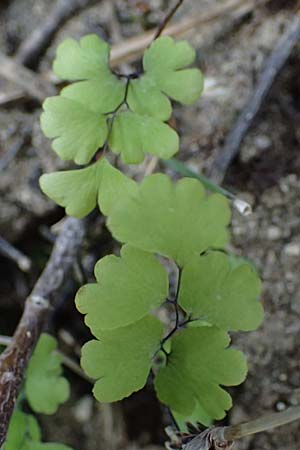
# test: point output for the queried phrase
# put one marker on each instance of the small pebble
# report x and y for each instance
(280, 406)
(292, 249)
(262, 142)
(283, 377)
(273, 233)
(83, 409)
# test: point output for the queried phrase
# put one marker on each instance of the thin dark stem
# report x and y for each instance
(168, 336)
(176, 298)
(124, 100)
(173, 419)
(114, 112)
(186, 322)
(167, 19)
(164, 351)
(175, 303)
(126, 91)
(131, 76)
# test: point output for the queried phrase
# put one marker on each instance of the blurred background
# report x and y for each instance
(235, 41)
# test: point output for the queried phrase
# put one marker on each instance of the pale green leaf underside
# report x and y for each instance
(227, 298)
(122, 358)
(45, 388)
(79, 190)
(128, 288)
(77, 131)
(198, 364)
(174, 220)
(134, 135)
(87, 59)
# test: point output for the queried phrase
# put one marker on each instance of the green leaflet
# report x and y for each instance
(78, 131)
(121, 359)
(87, 59)
(47, 446)
(225, 297)
(134, 135)
(197, 416)
(165, 75)
(198, 364)
(45, 388)
(96, 95)
(75, 118)
(144, 98)
(22, 427)
(79, 190)
(174, 220)
(127, 288)
(165, 54)
(76, 190)
(115, 187)
(24, 434)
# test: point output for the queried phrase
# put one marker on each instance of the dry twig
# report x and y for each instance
(33, 48)
(273, 66)
(9, 251)
(17, 146)
(32, 83)
(125, 52)
(38, 306)
(132, 48)
(168, 18)
(69, 362)
(225, 437)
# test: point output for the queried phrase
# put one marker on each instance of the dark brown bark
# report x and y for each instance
(42, 300)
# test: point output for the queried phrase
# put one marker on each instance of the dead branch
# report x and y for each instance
(38, 306)
(225, 437)
(9, 251)
(125, 52)
(11, 153)
(132, 48)
(32, 83)
(168, 18)
(34, 47)
(69, 362)
(9, 98)
(273, 66)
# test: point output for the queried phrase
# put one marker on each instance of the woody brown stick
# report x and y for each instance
(38, 306)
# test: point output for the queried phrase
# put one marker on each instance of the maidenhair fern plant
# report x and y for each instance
(157, 221)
